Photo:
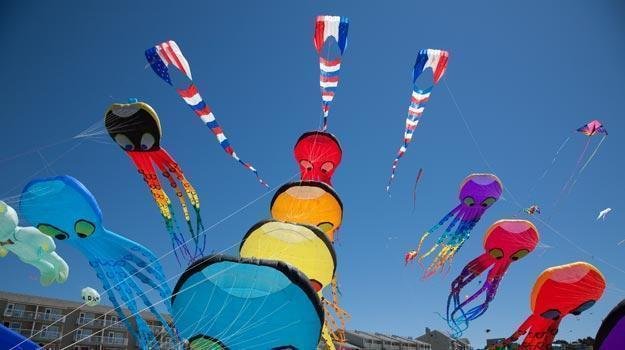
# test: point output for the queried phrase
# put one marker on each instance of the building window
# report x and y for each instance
(9, 309)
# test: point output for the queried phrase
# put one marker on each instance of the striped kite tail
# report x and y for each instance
(193, 98)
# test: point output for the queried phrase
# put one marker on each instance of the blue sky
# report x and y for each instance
(524, 75)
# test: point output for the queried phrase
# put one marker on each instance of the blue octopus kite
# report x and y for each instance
(61, 207)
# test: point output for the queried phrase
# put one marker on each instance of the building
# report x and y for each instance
(441, 341)
(378, 341)
(58, 324)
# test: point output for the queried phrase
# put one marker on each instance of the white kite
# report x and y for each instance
(603, 213)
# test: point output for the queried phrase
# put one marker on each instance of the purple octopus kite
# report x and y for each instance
(478, 192)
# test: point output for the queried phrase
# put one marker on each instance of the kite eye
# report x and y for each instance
(488, 202)
(585, 306)
(551, 314)
(306, 164)
(147, 141)
(519, 255)
(124, 142)
(202, 342)
(52, 231)
(84, 228)
(325, 226)
(327, 167)
(469, 201)
(496, 253)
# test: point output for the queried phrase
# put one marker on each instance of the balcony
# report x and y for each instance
(21, 314)
(98, 339)
(47, 335)
(50, 317)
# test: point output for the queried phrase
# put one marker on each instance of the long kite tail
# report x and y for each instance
(168, 53)
(329, 27)
(428, 58)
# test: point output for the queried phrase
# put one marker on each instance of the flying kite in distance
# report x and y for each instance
(532, 209)
(160, 57)
(436, 60)
(505, 242)
(136, 128)
(330, 33)
(63, 208)
(31, 246)
(90, 296)
(602, 214)
(478, 192)
(558, 291)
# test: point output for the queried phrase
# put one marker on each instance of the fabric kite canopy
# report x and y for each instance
(318, 154)
(611, 334)
(302, 246)
(231, 303)
(308, 202)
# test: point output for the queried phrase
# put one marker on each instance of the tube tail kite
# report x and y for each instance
(428, 58)
(326, 28)
(168, 53)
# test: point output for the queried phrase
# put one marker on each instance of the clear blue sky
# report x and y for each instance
(525, 74)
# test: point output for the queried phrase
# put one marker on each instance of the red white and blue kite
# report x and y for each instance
(168, 53)
(428, 58)
(326, 28)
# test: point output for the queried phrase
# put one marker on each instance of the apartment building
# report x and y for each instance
(58, 324)
(442, 341)
(379, 341)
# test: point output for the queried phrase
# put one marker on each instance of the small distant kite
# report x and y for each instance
(602, 214)
(90, 296)
(532, 209)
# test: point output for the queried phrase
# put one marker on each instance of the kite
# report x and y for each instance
(63, 208)
(327, 28)
(31, 247)
(136, 128)
(602, 214)
(559, 291)
(168, 53)
(478, 192)
(304, 247)
(308, 202)
(414, 190)
(221, 302)
(532, 209)
(318, 155)
(505, 242)
(90, 296)
(590, 129)
(611, 334)
(10, 339)
(428, 58)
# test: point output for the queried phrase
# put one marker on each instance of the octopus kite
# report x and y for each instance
(318, 155)
(135, 127)
(559, 291)
(505, 242)
(61, 207)
(31, 247)
(432, 59)
(223, 303)
(478, 192)
(611, 334)
(160, 57)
